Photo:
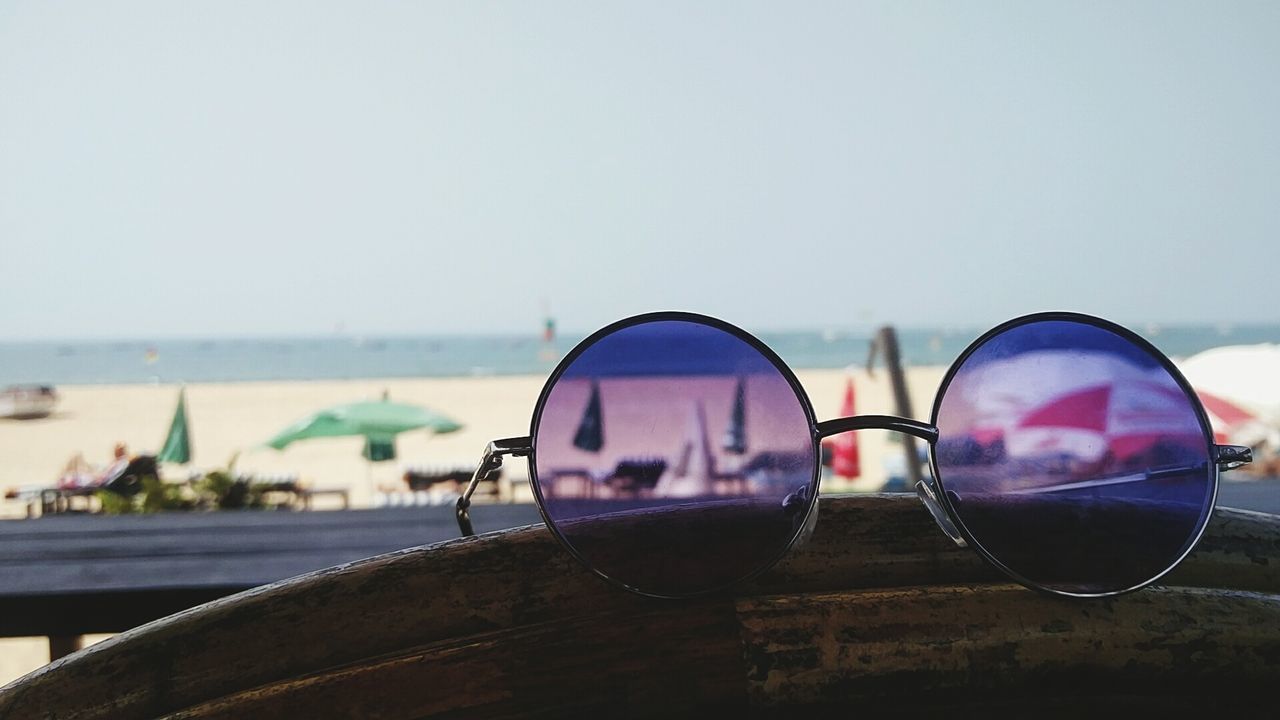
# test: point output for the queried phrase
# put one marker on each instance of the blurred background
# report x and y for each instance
(225, 224)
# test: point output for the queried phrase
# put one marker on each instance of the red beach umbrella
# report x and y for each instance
(1226, 417)
(844, 447)
(1124, 419)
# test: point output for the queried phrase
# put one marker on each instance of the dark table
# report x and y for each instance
(69, 575)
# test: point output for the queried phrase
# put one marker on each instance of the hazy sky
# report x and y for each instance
(221, 168)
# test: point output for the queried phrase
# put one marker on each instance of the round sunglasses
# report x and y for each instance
(676, 455)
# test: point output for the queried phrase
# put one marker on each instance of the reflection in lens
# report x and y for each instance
(1073, 457)
(674, 457)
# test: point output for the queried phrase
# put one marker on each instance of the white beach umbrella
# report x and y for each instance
(1246, 375)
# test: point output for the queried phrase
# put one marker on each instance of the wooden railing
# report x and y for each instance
(878, 611)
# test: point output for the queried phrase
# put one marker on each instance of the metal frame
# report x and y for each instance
(809, 512)
(1220, 456)
(489, 464)
(931, 490)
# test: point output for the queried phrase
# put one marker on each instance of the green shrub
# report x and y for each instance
(218, 489)
(158, 495)
(113, 504)
(215, 490)
(155, 496)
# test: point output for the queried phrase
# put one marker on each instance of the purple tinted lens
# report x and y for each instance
(673, 457)
(1073, 457)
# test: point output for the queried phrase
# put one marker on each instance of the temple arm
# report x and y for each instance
(489, 464)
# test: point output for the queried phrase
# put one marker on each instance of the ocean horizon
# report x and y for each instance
(214, 360)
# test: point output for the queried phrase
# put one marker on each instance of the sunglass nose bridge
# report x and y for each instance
(924, 431)
(925, 488)
(928, 495)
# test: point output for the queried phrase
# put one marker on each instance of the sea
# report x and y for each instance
(347, 357)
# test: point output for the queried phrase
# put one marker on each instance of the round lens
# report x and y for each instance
(1073, 456)
(674, 456)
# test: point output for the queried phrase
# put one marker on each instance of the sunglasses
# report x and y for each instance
(676, 455)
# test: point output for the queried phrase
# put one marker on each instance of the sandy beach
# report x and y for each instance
(231, 418)
(234, 420)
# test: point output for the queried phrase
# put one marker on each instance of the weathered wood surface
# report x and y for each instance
(72, 575)
(878, 611)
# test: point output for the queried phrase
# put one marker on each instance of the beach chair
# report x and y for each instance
(437, 486)
(124, 479)
(633, 476)
(127, 482)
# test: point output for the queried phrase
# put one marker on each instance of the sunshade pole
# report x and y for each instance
(885, 343)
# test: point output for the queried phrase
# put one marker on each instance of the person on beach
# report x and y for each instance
(78, 473)
(121, 461)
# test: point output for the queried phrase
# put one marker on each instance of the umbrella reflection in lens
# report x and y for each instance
(1073, 457)
(674, 457)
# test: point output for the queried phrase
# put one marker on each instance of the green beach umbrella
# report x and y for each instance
(177, 444)
(378, 422)
(379, 448)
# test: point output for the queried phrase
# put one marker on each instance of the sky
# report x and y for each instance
(298, 168)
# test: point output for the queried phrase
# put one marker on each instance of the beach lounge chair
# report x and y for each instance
(123, 479)
(436, 486)
(636, 475)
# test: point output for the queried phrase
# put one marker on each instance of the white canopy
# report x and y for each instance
(1247, 375)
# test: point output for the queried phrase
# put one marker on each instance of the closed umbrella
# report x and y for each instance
(177, 444)
(590, 434)
(844, 456)
(735, 437)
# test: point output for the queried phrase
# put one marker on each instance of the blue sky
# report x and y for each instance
(221, 168)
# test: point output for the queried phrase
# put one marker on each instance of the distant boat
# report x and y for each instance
(24, 402)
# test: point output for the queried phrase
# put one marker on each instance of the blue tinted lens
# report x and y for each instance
(1073, 457)
(674, 457)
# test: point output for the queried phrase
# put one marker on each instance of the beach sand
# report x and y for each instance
(233, 420)
(230, 418)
